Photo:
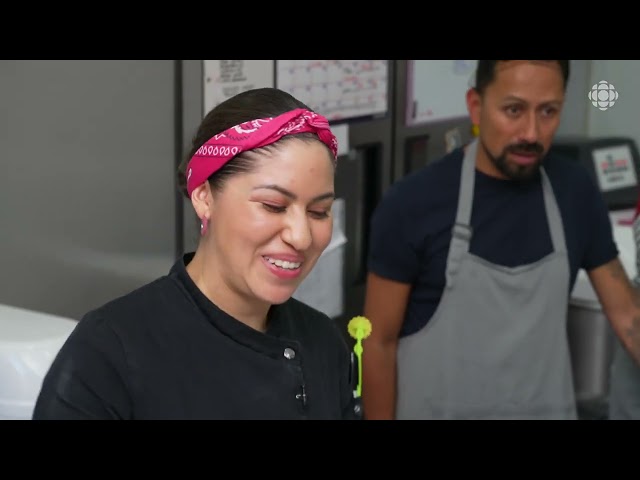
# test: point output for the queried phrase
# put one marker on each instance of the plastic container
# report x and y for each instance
(29, 341)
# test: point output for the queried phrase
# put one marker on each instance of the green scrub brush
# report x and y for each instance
(359, 328)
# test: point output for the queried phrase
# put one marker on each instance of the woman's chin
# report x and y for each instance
(278, 295)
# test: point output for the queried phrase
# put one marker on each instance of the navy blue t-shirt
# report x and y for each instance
(411, 227)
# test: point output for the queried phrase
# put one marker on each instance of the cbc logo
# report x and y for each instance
(603, 95)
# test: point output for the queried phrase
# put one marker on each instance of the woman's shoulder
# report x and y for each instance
(145, 302)
(308, 320)
(303, 310)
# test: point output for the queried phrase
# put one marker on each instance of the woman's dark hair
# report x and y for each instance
(486, 72)
(244, 107)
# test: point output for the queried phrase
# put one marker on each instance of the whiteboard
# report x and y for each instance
(337, 89)
(436, 89)
(225, 78)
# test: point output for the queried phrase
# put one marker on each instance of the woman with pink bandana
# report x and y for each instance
(220, 336)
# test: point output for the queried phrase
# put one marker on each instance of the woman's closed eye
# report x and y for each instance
(274, 208)
(319, 214)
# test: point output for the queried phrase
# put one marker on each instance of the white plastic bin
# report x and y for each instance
(324, 286)
(29, 341)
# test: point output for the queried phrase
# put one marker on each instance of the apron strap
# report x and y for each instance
(462, 231)
(554, 219)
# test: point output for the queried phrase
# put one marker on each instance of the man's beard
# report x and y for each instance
(520, 173)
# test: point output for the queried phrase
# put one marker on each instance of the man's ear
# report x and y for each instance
(202, 200)
(474, 106)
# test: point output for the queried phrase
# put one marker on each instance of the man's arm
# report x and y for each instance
(385, 305)
(620, 303)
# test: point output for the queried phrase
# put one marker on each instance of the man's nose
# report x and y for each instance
(530, 130)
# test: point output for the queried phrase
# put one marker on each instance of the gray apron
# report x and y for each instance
(496, 346)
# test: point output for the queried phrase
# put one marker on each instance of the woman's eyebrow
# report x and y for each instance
(292, 195)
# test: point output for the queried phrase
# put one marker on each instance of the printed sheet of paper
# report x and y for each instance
(338, 89)
(615, 168)
(225, 78)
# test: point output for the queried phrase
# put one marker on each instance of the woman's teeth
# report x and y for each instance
(284, 263)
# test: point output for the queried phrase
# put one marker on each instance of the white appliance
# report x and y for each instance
(614, 165)
(29, 341)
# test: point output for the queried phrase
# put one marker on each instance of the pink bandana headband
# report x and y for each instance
(222, 147)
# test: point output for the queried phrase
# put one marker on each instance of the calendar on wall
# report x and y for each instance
(337, 89)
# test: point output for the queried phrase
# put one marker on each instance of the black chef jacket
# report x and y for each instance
(164, 351)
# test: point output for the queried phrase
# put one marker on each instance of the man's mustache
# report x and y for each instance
(526, 148)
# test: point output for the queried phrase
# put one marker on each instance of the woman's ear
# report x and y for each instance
(202, 200)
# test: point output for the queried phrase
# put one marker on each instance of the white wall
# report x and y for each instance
(577, 107)
(623, 119)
